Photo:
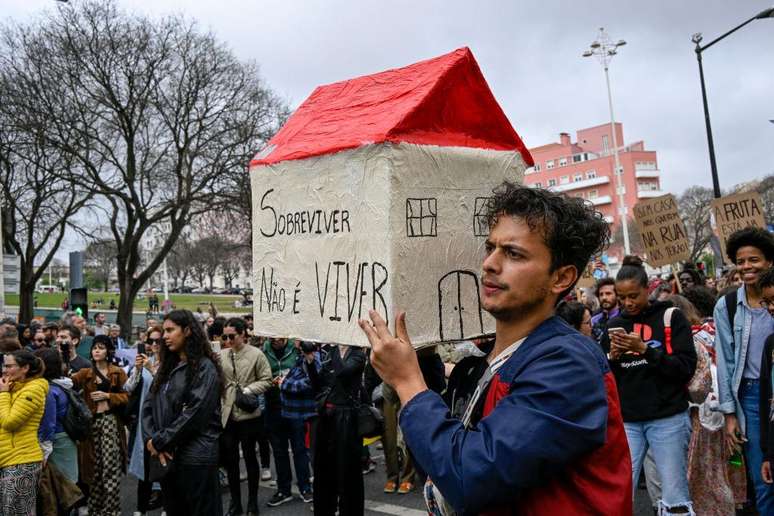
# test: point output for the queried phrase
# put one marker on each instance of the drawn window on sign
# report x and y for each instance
(422, 217)
(480, 220)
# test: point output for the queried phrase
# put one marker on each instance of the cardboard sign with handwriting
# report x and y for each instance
(734, 212)
(662, 230)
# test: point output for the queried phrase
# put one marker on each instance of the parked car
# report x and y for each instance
(200, 290)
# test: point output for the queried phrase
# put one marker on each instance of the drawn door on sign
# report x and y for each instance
(459, 305)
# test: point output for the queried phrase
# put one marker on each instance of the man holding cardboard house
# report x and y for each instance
(535, 427)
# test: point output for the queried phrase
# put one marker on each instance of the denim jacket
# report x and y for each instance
(731, 342)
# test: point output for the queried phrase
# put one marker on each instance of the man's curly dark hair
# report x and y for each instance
(571, 228)
(753, 237)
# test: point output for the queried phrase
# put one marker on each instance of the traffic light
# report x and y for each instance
(79, 302)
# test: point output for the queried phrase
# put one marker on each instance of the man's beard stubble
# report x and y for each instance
(522, 308)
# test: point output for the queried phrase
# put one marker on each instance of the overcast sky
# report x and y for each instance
(530, 53)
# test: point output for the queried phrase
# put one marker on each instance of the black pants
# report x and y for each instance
(338, 477)
(244, 434)
(192, 490)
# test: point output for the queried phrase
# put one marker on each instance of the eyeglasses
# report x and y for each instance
(154, 341)
(229, 336)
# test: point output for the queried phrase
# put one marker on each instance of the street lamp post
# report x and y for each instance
(604, 49)
(697, 38)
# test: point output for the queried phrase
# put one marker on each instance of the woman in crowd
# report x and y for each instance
(576, 315)
(245, 368)
(138, 385)
(22, 402)
(103, 454)
(652, 357)
(181, 419)
(57, 446)
(716, 486)
(338, 478)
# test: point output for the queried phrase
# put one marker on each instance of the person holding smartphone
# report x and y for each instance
(652, 356)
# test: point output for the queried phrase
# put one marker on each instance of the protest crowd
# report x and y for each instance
(668, 376)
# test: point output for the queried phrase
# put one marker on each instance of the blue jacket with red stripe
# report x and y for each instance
(550, 438)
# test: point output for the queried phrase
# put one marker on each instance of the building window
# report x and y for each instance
(564, 180)
(551, 182)
(605, 143)
(421, 217)
(577, 177)
(577, 158)
(550, 164)
(591, 174)
(562, 162)
(537, 167)
(538, 185)
(593, 194)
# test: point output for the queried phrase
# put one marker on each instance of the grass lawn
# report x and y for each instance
(222, 303)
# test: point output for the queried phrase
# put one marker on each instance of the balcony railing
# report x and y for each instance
(649, 194)
(585, 183)
(603, 199)
(647, 174)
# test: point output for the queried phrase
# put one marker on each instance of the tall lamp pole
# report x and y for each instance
(697, 38)
(604, 49)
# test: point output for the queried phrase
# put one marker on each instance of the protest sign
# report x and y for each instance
(662, 230)
(587, 278)
(371, 198)
(734, 212)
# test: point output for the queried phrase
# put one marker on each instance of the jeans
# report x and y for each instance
(282, 431)
(668, 440)
(749, 398)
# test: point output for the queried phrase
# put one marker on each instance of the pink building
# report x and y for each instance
(584, 168)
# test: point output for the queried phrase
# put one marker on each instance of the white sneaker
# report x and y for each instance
(265, 474)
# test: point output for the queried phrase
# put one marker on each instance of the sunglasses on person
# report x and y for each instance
(154, 341)
(42, 339)
(229, 336)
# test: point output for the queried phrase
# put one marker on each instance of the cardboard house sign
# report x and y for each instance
(662, 230)
(734, 212)
(373, 196)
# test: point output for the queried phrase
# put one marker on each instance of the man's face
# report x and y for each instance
(751, 263)
(516, 277)
(767, 299)
(114, 333)
(40, 339)
(607, 298)
(79, 322)
(65, 343)
(278, 344)
(150, 323)
(100, 319)
(686, 281)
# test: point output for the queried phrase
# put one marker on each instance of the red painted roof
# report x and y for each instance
(442, 101)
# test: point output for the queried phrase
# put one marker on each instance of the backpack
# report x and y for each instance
(77, 420)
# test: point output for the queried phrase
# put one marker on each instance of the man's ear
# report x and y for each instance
(564, 278)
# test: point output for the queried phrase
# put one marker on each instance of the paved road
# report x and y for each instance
(377, 503)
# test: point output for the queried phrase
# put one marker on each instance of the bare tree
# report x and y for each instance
(766, 189)
(156, 113)
(39, 204)
(207, 253)
(694, 208)
(100, 256)
(635, 240)
(180, 260)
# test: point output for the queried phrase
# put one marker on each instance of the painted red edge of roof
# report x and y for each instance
(403, 105)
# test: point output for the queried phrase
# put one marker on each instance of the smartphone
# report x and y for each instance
(617, 329)
(140, 348)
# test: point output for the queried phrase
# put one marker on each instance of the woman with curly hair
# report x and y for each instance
(181, 420)
(103, 454)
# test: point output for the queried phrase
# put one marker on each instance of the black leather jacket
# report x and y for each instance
(185, 419)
